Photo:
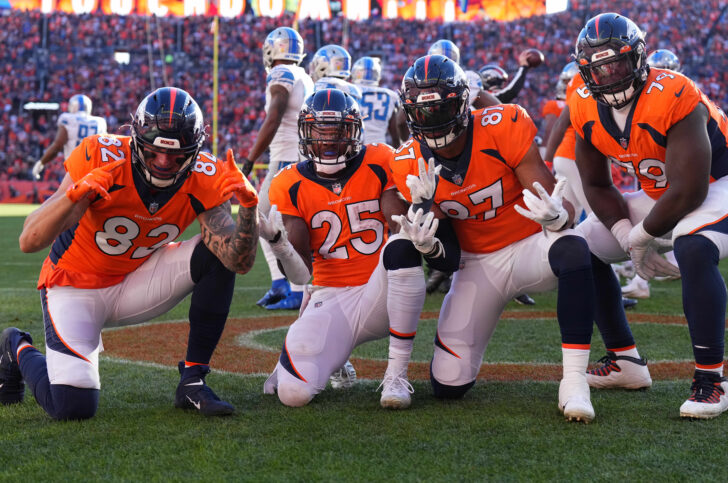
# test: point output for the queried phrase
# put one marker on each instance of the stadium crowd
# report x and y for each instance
(51, 57)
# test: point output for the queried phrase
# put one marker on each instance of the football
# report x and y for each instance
(534, 57)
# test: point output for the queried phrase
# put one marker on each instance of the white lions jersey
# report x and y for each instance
(475, 85)
(378, 105)
(78, 126)
(341, 84)
(284, 146)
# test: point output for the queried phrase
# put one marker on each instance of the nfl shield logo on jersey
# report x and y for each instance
(336, 188)
(623, 142)
(457, 179)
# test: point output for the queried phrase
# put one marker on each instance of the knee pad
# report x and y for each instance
(401, 253)
(294, 395)
(443, 391)
(73, 403)
(690, 249)
(203, 261)
(568, 254)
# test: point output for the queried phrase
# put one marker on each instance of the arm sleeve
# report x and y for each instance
(509, 92)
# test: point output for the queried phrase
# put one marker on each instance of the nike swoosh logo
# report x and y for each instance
(198, 383)
(88, 158)
(515, 117)
(195, 404)
(1, 386)
(679, 93)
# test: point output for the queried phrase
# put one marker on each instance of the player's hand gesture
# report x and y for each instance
(271, 227)
(422, 187)
(38, 169)
(96, 182)
(420, 230)
(643, 248)
(545, 209)
(232, 180)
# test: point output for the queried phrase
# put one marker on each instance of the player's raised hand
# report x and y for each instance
(420, 229)
(422, 187)
(232, 180)
(545, 209)
(96, 182)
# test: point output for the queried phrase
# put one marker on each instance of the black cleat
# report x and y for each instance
(628, 303)
(435, 279)
(193, 393)
(524, 299)
(12, 387)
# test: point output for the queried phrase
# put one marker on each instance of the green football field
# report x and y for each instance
(501, 430)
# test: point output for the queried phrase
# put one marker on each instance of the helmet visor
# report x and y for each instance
(612, 71)
(432, 115)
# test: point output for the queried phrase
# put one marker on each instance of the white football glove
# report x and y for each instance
(643, 248)
(545, 209)
(621, 230)
(271, 226)
(420, 230)
(38, 169)
(422, 187)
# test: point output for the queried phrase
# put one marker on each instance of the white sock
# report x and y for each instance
(297, 288)
(629, 352)
(405, 298)
(275, 272)
(575, 361)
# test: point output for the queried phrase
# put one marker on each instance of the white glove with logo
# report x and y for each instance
(422, 187)
(420, 230)
(643, 248)
(271, 227)
(38, 168)
(545, 209)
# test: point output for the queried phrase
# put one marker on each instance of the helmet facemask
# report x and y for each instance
(435, 121)
(615, 77)
(329, 139)
(165, 144)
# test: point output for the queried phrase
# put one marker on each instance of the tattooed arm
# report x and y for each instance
(234, 244)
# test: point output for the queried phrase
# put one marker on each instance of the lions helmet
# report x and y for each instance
(79, 103)
(167, 121)
(567, 73)
(493, 76)
(475, 84)
(447, 48)
(330, 61)
(610, 53)
(367, 71)
(664, 59)
(435, 95)
(329, 130)
(283, 43)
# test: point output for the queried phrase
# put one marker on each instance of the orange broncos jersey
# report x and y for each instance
(666, 99)
(480, 190)
(345, 222)
(567, 148)
(114, 237)
(553, 107)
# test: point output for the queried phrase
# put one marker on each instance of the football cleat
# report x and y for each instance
(291, 302)
(524, 299)
(574, 399)
(279, 290)
(434, 280)
(628, 303)
(344, 377)
(622, 372)
(708, 398)
(12, 387)
(193, 393)
(396, 390)
(637, 288)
